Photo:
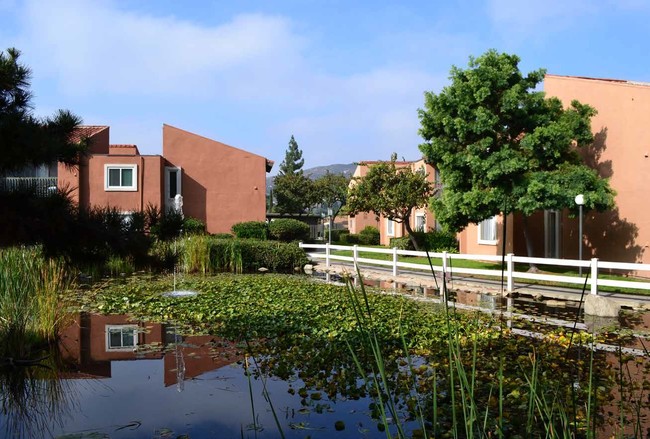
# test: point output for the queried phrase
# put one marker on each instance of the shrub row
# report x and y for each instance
(435, 241)
(281, 229)
(368, 236)
(207, 254)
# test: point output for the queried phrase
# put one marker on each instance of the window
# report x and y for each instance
(121, 177)
(390, 227)
(487, 231)
(121, 337)
(420, 222)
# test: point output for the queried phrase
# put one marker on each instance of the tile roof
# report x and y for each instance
(85, 131)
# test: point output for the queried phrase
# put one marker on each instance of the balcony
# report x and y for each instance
(41, 186)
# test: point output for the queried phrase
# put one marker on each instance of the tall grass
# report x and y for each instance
(474, 407)
(30, 310)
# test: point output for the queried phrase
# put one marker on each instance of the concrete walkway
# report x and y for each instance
(412, 278)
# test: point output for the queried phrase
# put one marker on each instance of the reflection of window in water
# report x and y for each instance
(121, 337)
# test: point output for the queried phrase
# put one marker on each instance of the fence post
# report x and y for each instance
(444, 265)
(394, 261)
(327, 254)
(355, 255)
(511, 269)
(594, 276)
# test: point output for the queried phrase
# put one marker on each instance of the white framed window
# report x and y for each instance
(121, 337)
(121, 178)
(390, 227)
(420, 222)
(487, 231)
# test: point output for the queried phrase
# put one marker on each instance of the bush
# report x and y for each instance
(207, 254)
(349, 238)
(288, 229)
(223, 236)
(251, 229)
(193, 226)
(369, 236)
(341, 235)
(402, 243)
(164, 226)
(437, 241)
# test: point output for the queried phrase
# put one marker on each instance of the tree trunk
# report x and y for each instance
(529, 243)
(409, 230)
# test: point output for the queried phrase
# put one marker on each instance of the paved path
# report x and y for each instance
(485, 286)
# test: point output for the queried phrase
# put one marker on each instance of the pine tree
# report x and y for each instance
(293, 160)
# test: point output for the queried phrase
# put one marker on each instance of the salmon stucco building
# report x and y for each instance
(620, 153)
(221, 185)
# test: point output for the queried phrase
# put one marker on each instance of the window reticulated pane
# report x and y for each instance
(115, 338)
(114, 177)
(127, 177)
(127, 337)
(488, 229)
(173, 190)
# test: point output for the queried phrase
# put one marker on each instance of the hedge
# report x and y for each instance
(288, 229)
(251, 229)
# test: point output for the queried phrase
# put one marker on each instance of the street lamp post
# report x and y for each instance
(329, 214)
(580, 200)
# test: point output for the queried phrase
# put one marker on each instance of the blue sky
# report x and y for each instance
(346, 78)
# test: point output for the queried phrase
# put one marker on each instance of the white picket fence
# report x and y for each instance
(593, 266)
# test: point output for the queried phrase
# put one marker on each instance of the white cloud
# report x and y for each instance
(95, 48)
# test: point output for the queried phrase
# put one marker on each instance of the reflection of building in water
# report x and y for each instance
(93, 341)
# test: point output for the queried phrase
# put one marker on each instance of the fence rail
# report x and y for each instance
(42, 186)
(510, 273)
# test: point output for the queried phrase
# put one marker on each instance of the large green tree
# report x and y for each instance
(501, 146)
(391, 191)
(293, 191)
(26, 140)
(293, 160)
(331, 190)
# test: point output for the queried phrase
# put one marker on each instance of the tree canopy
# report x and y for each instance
(332, 191)
(26, 140)
(293, 160)
(391, 191)
(294, 193)
(501, 146)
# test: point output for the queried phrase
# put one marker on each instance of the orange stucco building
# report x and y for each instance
(220, 185)
(422, 219)
(620, 153)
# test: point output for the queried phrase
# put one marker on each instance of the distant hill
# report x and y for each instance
(319, 171)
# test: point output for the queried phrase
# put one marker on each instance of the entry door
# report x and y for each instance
(552, 233)
(172, 185)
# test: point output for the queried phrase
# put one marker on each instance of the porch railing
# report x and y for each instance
(42, 186)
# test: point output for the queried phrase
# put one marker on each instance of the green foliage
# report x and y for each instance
(391, 191)
(251, 229)
(163, 225)
(438, 241)
(331, 190)
(288, 229)
(223, 236)
(502, 146)
(193, 226)
(24, 139)
(348, 238)
(369, 236)
(401, 243)
(206, 254)
(30, 310)
(293, 160)
(294, 193)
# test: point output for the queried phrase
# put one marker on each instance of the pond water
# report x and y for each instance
(114, 377)
(157, 384)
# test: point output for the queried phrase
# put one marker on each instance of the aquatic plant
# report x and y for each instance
(30, 310)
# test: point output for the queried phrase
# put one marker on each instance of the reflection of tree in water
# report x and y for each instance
(34, 398)
(328, 368)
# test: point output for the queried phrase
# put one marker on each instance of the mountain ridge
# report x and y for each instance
(346, 169)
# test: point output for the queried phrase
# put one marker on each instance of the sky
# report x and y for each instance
(345, 77)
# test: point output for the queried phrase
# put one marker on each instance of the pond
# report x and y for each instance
(158, 384)
(281, 356)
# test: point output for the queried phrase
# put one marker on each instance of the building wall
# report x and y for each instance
(469, 239)
(221, 185)
(621, 152)
(75, 179)
(149, 182)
